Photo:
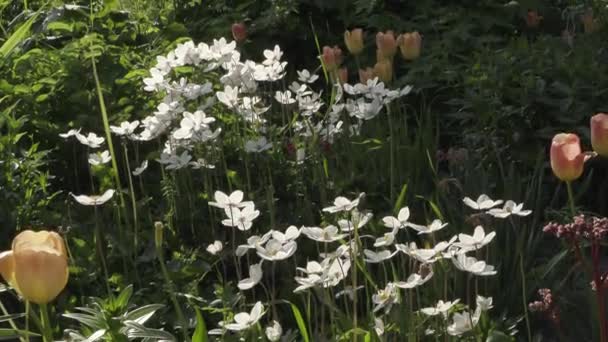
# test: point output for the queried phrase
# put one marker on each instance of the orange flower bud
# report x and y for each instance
(566, 156)
(332, 57)
(239, 32)
(410, 45)
(36, 266)
(343, 75)
(590, 23)
(599, 133)
(387, 45)
(384, 70)
(354, 41)
(366, 74)
(533, 19)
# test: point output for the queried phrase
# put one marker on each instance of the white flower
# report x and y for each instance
(377, 257)
(195, 125)
(257, 146)
(252, 243)
(300, 155)
(431, 228)
(386, 240)
(215, 247)
(255, 275)
(284, 97)
(483, 202)
(348, 291)
(473, 266)
(357, 220)
(426, 255)
(273, 56)
(476, 241)
(244, 320)
(306, 77)
(441, 308)
(510, 208)
(291, 234)
(274, 250)
(99, 158)
(327, 234)
(70, 133)
(126, 128)
(484, 303)
(462, 323)
(91, 140)
(274, 331)
(140, 169)
(241, 218)
(401, 221)
(235, 200)
(229, 97)
(201, 163)
(385, 298)
(414, 280)
(153, 82)
(94, 200)
(378, 326)
(174, 161)
(343, 204)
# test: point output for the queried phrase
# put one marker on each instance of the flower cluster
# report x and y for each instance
(582, 227)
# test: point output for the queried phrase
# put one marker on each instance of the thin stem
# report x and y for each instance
(524, 295)
(27, 320)
(571, 198)
(47, 330)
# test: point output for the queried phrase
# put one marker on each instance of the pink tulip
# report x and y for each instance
(566, 156)
(599, 133)
(239, 32)
(387, 44)
(332, 57)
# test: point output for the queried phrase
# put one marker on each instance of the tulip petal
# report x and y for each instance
(7, 268)
(41, 275)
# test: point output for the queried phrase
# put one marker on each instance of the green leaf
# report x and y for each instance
(124, 296)
(200, 333)
(18, 36)
(400, 199)
(300, 320)
(499, 336)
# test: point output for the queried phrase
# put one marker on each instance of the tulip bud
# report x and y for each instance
(36, 266)
(566, 157)
(533, 19)
(384, 70)
(158, 234)
(590, 23)
(366, 74)
(239, 32)
(410, 45)
(354, 41)
(332, 57)
(343, 75)
(599, 133)
(387, 45)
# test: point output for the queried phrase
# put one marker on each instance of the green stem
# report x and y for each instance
(571, 198)
(47, 330)
(27, 321)
(524, 296)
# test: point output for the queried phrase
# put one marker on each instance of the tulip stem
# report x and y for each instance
(571, 198)
(47, 330)
(27, 320)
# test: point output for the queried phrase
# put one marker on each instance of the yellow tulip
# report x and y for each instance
(410, 45)
(384, 70)
(36, 266)
(354, 41)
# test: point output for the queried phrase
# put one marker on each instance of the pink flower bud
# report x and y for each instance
(332, 57)
(387, 45)
(239, 32)
(410, 45)
(566, 157)
(354, 41)
(599, 133)
(533, 19)
(343, 75)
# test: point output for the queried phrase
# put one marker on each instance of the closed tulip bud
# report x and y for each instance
(533, 19)
(567, 159)
(410, 45)
(384, 70)
(354, 41)
(343, 75)
(36, 266)
(239, 32)
(332, 57)
(158, 234)
(599, 133)
(386, 43)
(590, 23)
(366, 74)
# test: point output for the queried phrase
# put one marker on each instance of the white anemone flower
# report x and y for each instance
(234, 200)
(257, 145)
(510, 208)
(385, 298)
(274, 250)
(330, 233)
(285, 97)
(274, 331)
(386, 240)
(126, 128)
(255, 276)
(436, 225)
(246, 320)
(399, 222)
(348, 291)
(99, 158)
(378, 326)
(414, 280)
(484, 303)
(252, 243)
(462, 323)
(141, 168)
(91, 140)
(70, 133)
(94, 200)
(441, 308)
(475, 241)
(229, 97)
(378, 257)
(483, 202)
(357, 220)
(473, 266)
(241, 218)
(215, 247)
(291, 234)
(343, 204)
(305, 76)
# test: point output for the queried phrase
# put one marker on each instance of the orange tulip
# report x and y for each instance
(599, 133)
(566, 157)
(239, 32)
(343, 75)
(387, 45)
(36, 266)
(384, 70)
(410, 45)
(354, 41)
